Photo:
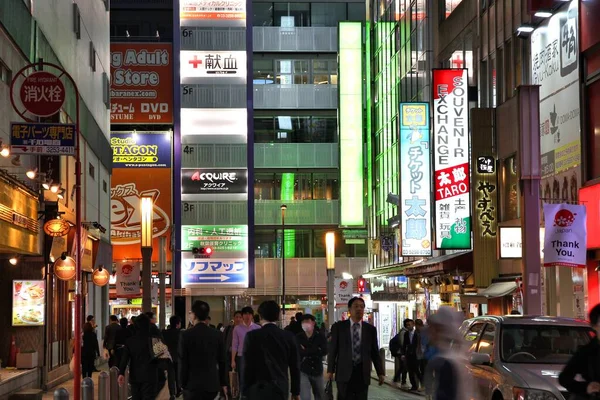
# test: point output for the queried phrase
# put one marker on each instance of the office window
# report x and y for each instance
(291, 15)
(324, 72)
(295, 129)
(92, 171)
(263, 14)
(318, 186)
(104, 187)
(263, 72)
(5, 74)
(356, 12)
(327, 14)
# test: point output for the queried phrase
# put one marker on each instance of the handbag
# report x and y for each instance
(158, 349)
(234, 384)
(329, 390)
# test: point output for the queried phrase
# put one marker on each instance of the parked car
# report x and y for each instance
(520, 357)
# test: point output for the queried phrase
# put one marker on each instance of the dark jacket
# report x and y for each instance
(202, 355)
(268, 354)
(110, 334)
(90, 347)
(137, 353)
(339, 358)
(121, 337)
(585, 362)
(412, 349)
(171, 337)
(295, 327)
(312, 351)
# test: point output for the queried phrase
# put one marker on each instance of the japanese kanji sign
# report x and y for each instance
(451, 159)
(37, 138)
(212, 65)
(215, 271)
(191, 11)
(42, 94)
(415, 180)
(219, 237)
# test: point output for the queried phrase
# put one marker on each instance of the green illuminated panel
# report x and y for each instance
(287, 194)
(351, 123)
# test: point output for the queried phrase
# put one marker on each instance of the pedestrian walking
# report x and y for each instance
(411, 350)
(121, 337)
(581, 375)
(313, 347)
(352, 349)
(269, 355)
(90, 350)
(172, 336)
(202, 357)
(110, 334)
(397, 348)
(138, 355)
(228, 336)
(239, 335)
(295, 325)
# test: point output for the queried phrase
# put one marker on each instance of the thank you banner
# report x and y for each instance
(565, 237)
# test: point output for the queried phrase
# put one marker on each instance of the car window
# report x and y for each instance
(472, 336)
(486, 344)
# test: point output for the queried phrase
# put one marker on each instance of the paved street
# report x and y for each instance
(387, 392)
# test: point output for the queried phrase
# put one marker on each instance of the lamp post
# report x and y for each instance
(283, 208)
(330, 259)
(147, 207)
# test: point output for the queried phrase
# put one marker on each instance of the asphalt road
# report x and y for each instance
(387, 392)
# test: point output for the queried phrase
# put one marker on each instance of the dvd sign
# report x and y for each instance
(205, 181)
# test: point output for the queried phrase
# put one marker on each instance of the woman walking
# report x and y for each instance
(90, 350)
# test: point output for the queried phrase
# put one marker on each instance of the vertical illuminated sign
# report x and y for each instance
(351, 123)
(451, 159)
(415, 179)
(287, 194)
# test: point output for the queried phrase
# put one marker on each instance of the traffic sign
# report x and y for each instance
(37, 138)
(224, 271)
(42, 93)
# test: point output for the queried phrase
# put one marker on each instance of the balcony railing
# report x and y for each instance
(275, 38)
(296, 155)
(299, 212)
(295, 96)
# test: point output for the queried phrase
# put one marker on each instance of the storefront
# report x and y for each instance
(500, 298)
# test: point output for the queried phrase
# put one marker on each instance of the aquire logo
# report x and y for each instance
(213, 177)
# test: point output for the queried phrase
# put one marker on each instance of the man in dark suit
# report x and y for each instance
(411, 351)
(110, 334)
(202, 357)
(352, 349)
(268, 354)
(172, 335)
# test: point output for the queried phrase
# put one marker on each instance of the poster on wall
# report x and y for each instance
(415, 180)
(141, 84)
(451, 159)
(29, 302)
(565, 235)
(343, 290)
(141, 149)
(128, 279)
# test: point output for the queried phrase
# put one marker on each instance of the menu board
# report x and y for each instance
(29, 300)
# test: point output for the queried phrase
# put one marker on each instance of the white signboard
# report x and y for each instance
(213, 65)
(451, 159)
(566, 235)
(343, 290)
(214, 271)
(214, 121)
(385, 323)
(510, 242)
(128, 279)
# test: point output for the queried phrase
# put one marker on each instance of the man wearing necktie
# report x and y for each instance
(352, 350)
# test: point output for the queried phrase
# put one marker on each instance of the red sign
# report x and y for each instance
(100, 277)
(452, 181)
(590, 198)
(42, 94)
(65, 269)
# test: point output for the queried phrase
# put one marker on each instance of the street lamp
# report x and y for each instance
(330, 259)
(283, 208)
(147, 208)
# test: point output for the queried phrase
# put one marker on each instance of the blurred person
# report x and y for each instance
(91, 320)
(256, 319)
(172, 337)
(89, 351)
(220, 327)
(121, 337)
(352, 349)
(421, 351)
(446, 377)
(228, 334)
(237, 343)
(269, 354)
(143, 370)
(154, 330)
(396, 348)
(581, 375)
(296, 325)
(202, 357)
(110, 334)
(410, 353)
(313, 347)
(208, 323)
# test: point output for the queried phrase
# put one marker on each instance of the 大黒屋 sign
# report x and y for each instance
(566, 235)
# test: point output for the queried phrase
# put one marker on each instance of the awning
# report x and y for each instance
(392, 270)
(495, 290)
(446, 264)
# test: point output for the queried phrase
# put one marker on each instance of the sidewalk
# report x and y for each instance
(69, 386)
(389, 378)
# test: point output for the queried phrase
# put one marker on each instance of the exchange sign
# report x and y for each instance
(42, 94)
(451, 157)
(415, 172)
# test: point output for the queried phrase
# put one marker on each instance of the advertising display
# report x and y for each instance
(212, 65)
(343, 290)
(511, 245)
(566, 235)
(214, 121)
(204, 181)
(141, 84)
(203, 12)
(141, 149)
(451, 159)
(38, 138)
(211, 271)
(128, 279)
(29, 302)
(590, 196)
(218, 237)
(415, 180)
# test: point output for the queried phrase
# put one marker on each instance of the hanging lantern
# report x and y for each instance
(56, 227)
(64, 269)
(100, 277)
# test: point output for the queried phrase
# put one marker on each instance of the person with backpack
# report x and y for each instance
(396, 347)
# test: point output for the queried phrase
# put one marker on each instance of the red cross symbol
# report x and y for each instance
(195, 62)
(457, 61)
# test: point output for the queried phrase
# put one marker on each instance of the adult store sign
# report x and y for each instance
(210, 181)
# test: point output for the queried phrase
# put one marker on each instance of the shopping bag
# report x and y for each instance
(329, 390)
(234, 384)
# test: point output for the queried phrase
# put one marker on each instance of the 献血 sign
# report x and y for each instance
(38, 138)
(212, 64)
(219, 237)
(566, 235)
(451, 159)
(415, 179)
